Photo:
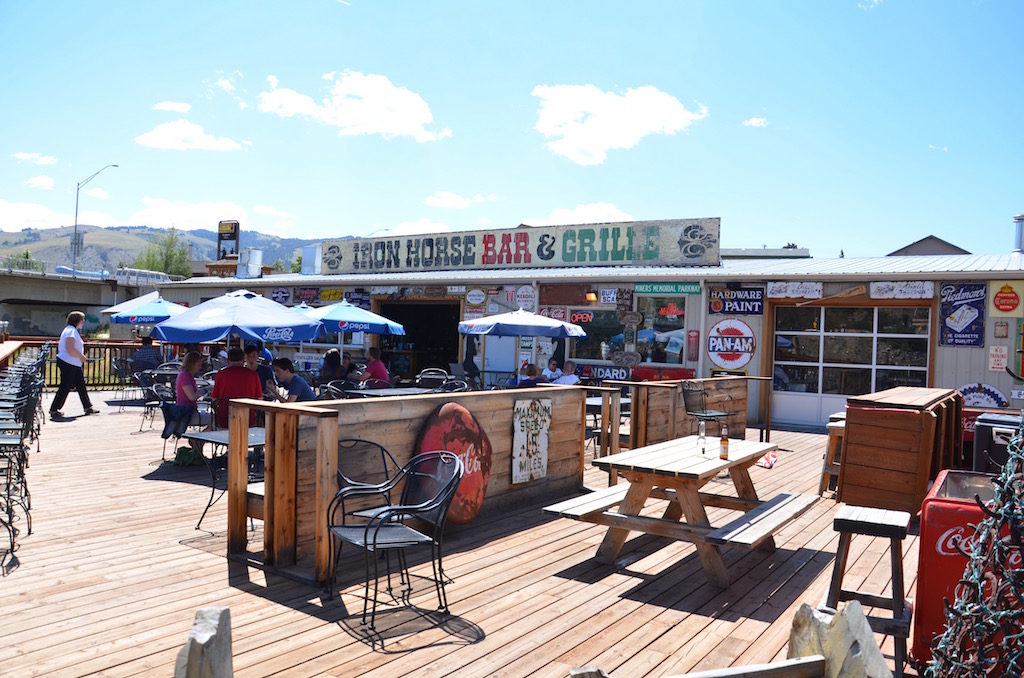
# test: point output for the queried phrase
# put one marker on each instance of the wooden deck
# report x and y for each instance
(112, 575)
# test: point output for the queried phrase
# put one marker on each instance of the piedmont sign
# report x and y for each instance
(731, 344)
(667, 242)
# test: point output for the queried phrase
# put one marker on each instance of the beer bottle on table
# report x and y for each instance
(723, 448)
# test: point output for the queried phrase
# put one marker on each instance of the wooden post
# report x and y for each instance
(326, 486)
(269, 473)
(238, 476)
(285, 437)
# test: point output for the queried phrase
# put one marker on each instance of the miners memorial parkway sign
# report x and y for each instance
(669, 242)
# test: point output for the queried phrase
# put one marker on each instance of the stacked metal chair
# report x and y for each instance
(21, 414)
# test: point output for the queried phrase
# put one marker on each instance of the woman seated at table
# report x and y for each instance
(186, 390)
(336, 367)
(532, 378)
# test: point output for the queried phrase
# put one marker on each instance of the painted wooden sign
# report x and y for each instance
(454, 428)
(531, 420)
(667, 242)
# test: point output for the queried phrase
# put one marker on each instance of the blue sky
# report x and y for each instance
(851, 125)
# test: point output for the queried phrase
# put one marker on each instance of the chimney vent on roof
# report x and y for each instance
(1018, 242)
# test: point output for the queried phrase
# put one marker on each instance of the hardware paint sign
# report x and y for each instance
(742, 301)
(669, 242)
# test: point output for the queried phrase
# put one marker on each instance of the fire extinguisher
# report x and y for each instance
(692, 345)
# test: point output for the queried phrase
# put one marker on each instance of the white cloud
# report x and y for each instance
(182, 135)
(418, 227)
(174, 106)
(755, 122)
(868, 4)
(449, 200)
(590, 213)
(586, 122)
(933, 147)
(271, 220)
(42, 181)
(15, 216)
(357, 104)
(34, 158)
(226, 85)
(96, 193)
(186, 216)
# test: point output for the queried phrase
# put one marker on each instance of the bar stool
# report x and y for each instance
(833, 454)
(873, 522)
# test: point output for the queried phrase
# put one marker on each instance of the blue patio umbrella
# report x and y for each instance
(521, 324)
(242, 312)
(150, 313)
(346, 317)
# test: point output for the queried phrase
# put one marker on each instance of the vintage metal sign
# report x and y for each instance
(650, 289)
(962, 309)
(669, 242)
(731, 344)
(742, 301)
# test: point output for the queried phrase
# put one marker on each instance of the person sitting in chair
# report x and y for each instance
(295, 387)
(147, 357)
(234, 381)
(375, 368)
(532, 377)
(569, 376)
(552, 371)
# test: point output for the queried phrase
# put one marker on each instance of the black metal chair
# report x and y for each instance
(454, 385)
(431, 377)
(365, 463)
(429, 481)
(695, 402)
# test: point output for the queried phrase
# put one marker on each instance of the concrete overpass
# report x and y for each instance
(38, 303)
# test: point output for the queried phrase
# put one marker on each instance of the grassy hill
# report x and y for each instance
(106, 248)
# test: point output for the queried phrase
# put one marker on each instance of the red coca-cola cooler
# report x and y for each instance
(948, 516)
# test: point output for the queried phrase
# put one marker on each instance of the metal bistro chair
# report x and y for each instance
(695, 402)
(429, 481)
(364, 462)
(431, 377)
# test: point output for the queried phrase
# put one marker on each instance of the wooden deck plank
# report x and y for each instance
(110, 579)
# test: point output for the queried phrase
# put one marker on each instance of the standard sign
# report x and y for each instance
(731, 344)
(666, 289)
(668, 242)
(743, 301)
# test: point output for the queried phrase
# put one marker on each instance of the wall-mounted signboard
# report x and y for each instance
(668, 242)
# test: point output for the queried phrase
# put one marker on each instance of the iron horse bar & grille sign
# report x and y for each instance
(669, 242)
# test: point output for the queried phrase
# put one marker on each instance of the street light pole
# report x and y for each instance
(74, 238)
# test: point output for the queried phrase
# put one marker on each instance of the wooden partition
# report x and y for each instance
(657, 412)
(302, 458)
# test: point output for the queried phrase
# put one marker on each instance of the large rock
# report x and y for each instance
(207, 654)
(844, 639)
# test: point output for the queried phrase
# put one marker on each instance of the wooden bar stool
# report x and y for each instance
(833, 454)
(873, 522)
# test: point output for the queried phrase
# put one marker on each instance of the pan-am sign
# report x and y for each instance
(731, 344)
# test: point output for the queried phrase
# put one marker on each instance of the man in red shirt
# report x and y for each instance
(375, 367)
(234, 381)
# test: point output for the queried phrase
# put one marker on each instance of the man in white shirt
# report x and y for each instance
(551, 372)
(569, 375)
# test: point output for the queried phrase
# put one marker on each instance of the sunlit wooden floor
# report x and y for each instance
(111, 577)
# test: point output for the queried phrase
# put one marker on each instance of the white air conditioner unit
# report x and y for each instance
(250, 263)
(312, 256)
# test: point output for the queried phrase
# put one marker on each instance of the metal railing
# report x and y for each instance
(99, 367)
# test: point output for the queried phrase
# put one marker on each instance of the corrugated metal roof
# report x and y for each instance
(974, 266)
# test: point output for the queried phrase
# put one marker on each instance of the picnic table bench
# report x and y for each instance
(676, 470)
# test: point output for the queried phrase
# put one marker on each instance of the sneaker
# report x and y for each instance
(56, 414)
(91, 410)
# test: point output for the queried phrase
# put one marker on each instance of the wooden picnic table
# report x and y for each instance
(676, 470)
(386, 392)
